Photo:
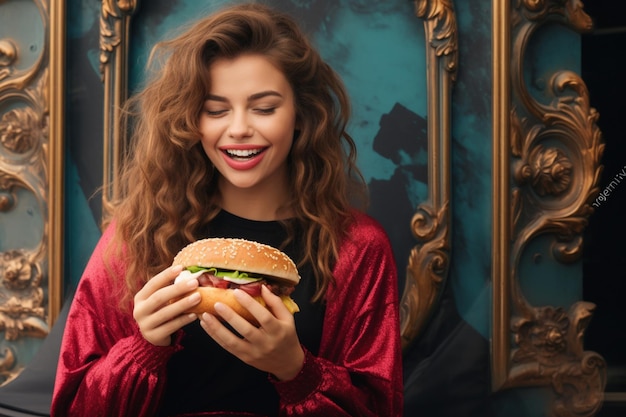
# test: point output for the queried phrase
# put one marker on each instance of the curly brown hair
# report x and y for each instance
(168, 184)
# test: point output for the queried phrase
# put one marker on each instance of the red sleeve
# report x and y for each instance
(105, 366)
(358, 371)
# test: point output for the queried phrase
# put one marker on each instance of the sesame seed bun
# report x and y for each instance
(239, 255)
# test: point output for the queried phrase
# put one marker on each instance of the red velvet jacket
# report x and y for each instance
(106, 368)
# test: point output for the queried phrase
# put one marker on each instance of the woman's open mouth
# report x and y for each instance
(243, 158)
(243, 154)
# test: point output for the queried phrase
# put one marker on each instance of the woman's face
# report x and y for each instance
(247, 123)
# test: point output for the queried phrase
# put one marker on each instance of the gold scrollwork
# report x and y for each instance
(548, 170)
(442, 33)
(114, 42)
(22, 313)
(555, 150)
(113, 18)
(7, 366)
(429, 260)
(20, 129)
(427, 270)
(8, 55)
(31, 159)
(8, 52)
(8, 197)
(23, 309)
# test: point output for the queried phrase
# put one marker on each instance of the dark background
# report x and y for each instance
(604, 264)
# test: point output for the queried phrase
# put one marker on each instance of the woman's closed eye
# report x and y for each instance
(215, 113)
(265, 110)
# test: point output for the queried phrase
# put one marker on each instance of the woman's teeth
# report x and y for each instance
(243, 153)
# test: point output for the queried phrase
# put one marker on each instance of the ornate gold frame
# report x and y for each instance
(115, 20)
(34, 134)
(56, 194)
(546, 166)
(429, 260)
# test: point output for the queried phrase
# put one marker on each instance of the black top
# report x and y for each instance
(205, 377)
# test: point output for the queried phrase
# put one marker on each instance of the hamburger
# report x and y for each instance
(222, 265)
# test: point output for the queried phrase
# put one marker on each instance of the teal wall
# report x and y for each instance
(83, 162)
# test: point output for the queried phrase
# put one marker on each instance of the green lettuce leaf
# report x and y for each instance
(229, 275)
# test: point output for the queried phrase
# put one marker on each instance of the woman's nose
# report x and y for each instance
(239, 126)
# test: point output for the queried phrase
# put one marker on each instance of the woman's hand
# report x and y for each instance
(157, 318)
(272, 347)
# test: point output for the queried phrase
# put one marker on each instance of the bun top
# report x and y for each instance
(239, 255)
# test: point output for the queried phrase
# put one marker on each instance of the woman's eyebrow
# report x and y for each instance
(255, 96)
(264, 94)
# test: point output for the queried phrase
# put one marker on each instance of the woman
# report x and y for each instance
(241, 133)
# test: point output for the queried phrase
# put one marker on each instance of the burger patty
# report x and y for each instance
(252, 288)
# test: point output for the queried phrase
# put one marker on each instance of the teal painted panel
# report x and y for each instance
(22, 226)
(470, 275)
(546, 281)
(553, 48)
(84, 137)
(28, 39)
(81, 231)
(82, 17)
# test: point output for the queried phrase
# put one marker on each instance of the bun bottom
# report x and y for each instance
(211, 295)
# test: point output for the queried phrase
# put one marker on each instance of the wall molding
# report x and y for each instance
(115, 19)
(429, 260)
(32, 134)
(546, 167)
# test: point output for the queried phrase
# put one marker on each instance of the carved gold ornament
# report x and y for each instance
(115, 21)
(31, 161)
(23, 161)
(548, 171)
(20, 129)
(8, 55)
(7, 366)
(553, 154)
(23, 308)
(429, 260)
